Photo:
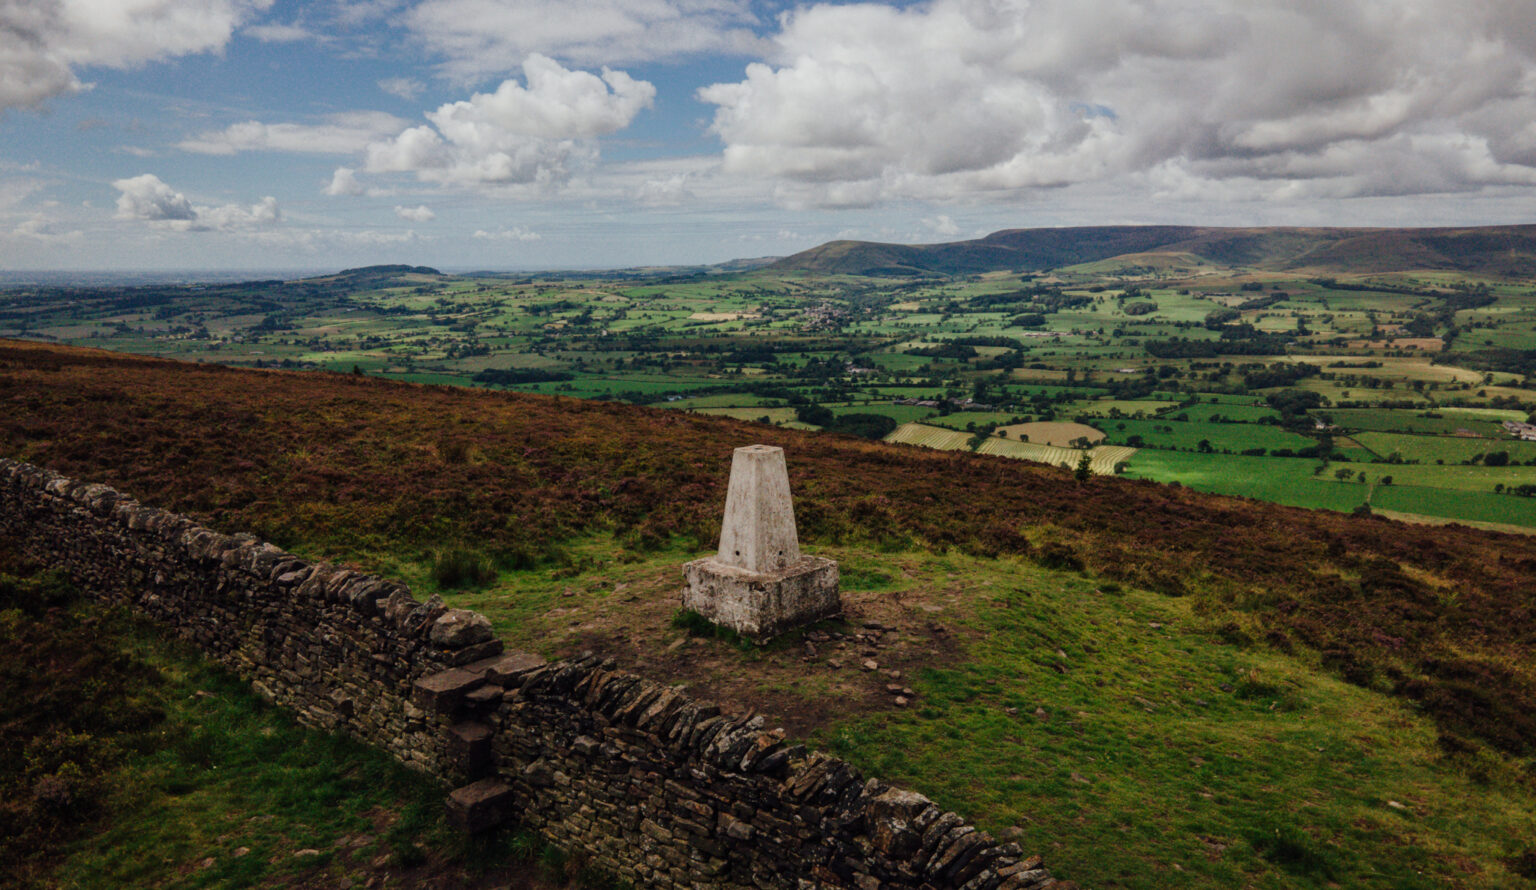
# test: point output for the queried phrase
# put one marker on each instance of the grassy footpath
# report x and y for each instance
(134, 763)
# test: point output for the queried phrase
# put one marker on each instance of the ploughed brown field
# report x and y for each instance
(348, 465)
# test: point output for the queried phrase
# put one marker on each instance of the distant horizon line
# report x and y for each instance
(198, 275)
(16, 277)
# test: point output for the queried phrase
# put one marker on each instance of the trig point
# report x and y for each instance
(759, 584)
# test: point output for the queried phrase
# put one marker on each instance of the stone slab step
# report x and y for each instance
(442, 693)
(507, 670)
(480, 806)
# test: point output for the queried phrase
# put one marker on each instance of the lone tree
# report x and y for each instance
(1082, 472)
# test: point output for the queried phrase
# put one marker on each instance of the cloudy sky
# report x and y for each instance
(505, 134)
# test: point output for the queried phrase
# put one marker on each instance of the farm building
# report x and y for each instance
(1526, 431)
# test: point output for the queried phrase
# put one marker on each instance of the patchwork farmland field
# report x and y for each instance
(1102, 459)
(1058, 434)
(928, 437)
(1188, 436)
(1420, 421)
(1453, 492)
(1450, 449)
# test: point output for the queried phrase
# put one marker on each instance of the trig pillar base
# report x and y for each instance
(760, 605)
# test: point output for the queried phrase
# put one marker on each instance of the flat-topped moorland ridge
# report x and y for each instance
(1504, 250)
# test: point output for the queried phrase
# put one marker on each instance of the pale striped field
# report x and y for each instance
(1102, 459)
(929, 437)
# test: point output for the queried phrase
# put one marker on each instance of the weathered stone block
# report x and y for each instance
(443, 693)
(762, 605)
(507, 670)
(893, 816)
(471, 654)
(458, 628)
(480, 806)
(469, 748)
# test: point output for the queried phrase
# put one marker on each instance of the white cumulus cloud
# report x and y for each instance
(419, 213)
(1344, 98)
(148, 199)
(520, 134)
(42, 42)
(344, 182)
(341, 133)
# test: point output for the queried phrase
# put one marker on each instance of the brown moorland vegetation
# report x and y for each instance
(1442, 615)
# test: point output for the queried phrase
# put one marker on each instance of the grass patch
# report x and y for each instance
(697, 625)
(864, 577)
(462, 567)
(1295, 851)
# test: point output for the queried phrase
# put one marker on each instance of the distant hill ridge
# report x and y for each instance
(1497, 250)
(395, 269)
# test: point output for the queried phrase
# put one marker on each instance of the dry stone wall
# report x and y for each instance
(648, 783)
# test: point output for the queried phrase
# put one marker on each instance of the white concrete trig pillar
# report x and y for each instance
(758, 533)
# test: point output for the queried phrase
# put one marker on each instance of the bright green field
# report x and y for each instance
(724, 400)
(774, 415)
(1453, 492)
(1244, 413)
(1222, 398)
(1494, 414)
(1451, 449)
(1235, 437)
(1402, 421)
(1102, 407)
(1470, 506)
(1283, 480)
(1455, 477)
(899, 413)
